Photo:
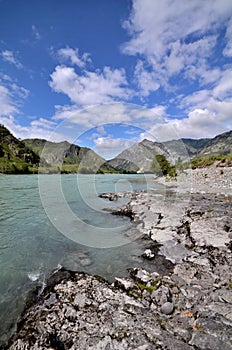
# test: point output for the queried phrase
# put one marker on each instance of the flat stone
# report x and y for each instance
(174, 251)
(79, 300)
(205, 341)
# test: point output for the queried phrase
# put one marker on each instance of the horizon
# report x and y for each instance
(108, 74)
(117, 154)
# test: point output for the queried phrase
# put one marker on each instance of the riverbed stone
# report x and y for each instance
(167, 308)
(190, 307)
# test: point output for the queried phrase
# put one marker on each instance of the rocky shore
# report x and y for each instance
(189, 224)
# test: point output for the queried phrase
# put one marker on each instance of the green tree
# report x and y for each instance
(161, 166)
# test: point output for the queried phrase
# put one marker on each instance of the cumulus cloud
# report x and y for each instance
(93, 116)
(223, 89)
(175, 36)
(109, 113)
(146, 80)
(110, 147)
(91, 87)
(72, 56)
(209, 121)
(8, 56)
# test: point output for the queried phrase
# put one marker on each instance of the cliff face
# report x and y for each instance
(185, 148)
(138, 158)
(15, 156)
(221, 144)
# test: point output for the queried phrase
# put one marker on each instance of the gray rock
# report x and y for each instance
(167, 308)
(205, 341)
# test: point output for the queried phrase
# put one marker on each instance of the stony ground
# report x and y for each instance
(191, 308)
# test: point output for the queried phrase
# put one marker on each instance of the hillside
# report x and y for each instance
(185, 148)
(33, 155)
(64, 157)
(221, 145)
(67, 158)
(15, 156)
(138, 157)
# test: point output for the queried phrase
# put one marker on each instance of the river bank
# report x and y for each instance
(188, 308)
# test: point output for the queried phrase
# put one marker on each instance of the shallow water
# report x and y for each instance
(31, 246)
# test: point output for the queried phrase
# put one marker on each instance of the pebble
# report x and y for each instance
(167, 308)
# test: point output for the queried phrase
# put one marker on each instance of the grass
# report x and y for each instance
(202, 162)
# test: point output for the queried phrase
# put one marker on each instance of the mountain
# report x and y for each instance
(31, 155)
(138, 157)
(185, 148)
(221, 145)
(15, 156)
(189, 148)
(66, 157)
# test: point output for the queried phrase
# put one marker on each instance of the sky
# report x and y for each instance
(108, 73)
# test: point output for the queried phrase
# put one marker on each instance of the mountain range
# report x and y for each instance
(33, 155)
(138, 157)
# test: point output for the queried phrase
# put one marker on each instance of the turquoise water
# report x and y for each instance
(59, 220)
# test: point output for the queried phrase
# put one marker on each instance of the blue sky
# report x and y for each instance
(108, 73)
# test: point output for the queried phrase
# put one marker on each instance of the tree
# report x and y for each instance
(161, 166)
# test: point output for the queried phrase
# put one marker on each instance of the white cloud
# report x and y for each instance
(175, 36)
(95, 116)
(8, 106)
(110, 147)
(91, 87)
(154, 24)
(223, 88)
(109, 113)
(8, 56)
(44, 123)
(199, 98)
(35, 32)
(11, 96)
(228, 49)
(200, 122)
(70, 55)
(20, 91)
(41, 128)
(183, 55)
(146, 81)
